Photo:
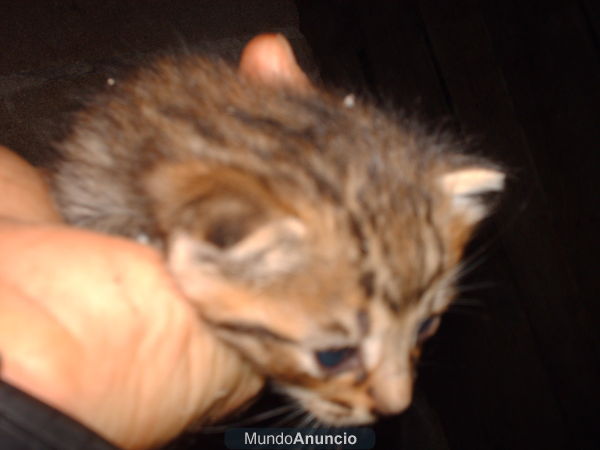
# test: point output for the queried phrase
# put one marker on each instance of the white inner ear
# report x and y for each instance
(271, 234)
(466, 186)
(272, 250)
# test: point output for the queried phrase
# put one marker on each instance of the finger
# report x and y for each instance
(25, 195)
(269, 59)
(95, 326)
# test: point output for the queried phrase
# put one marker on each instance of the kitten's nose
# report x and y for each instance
(393, 395)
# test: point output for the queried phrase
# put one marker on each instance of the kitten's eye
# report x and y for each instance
(428, 327)
(336, 359)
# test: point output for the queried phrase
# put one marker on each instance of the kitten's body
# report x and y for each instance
(314, 232)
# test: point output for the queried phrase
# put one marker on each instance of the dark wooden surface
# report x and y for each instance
(519, 366)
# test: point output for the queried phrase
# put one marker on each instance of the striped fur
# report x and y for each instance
(296, 220)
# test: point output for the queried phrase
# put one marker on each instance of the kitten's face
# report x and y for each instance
(331, 303)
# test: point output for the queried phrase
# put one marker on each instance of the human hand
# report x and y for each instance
(94, 326)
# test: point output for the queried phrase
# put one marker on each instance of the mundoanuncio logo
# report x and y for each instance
(297, 438)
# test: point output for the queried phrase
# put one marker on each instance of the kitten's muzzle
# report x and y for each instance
(392, 395)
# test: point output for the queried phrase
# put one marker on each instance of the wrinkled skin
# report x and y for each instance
(94, 326)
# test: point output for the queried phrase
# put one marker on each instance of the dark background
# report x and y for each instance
(517, 364)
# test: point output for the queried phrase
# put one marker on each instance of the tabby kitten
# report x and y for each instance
(318, 235)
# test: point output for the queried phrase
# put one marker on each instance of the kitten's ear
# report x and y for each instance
(470, 188)
(220, 220)
(264, 253)
(269, 59)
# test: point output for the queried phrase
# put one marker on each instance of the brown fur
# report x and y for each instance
(297, 222)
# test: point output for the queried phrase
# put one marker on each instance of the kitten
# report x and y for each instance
(318, 235)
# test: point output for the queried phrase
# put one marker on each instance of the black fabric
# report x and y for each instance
(27, 423)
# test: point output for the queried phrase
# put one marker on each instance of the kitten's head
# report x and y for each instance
(326, 263)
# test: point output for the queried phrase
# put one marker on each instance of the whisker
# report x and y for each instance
(508, 222)
(476, 286)
(259, 417)
(307, 419)
(426, 363)
(466, 311)
(467, 302)
(272, 413)
(431, 364)
(289, 417)
(469, 265)
(500, 229)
